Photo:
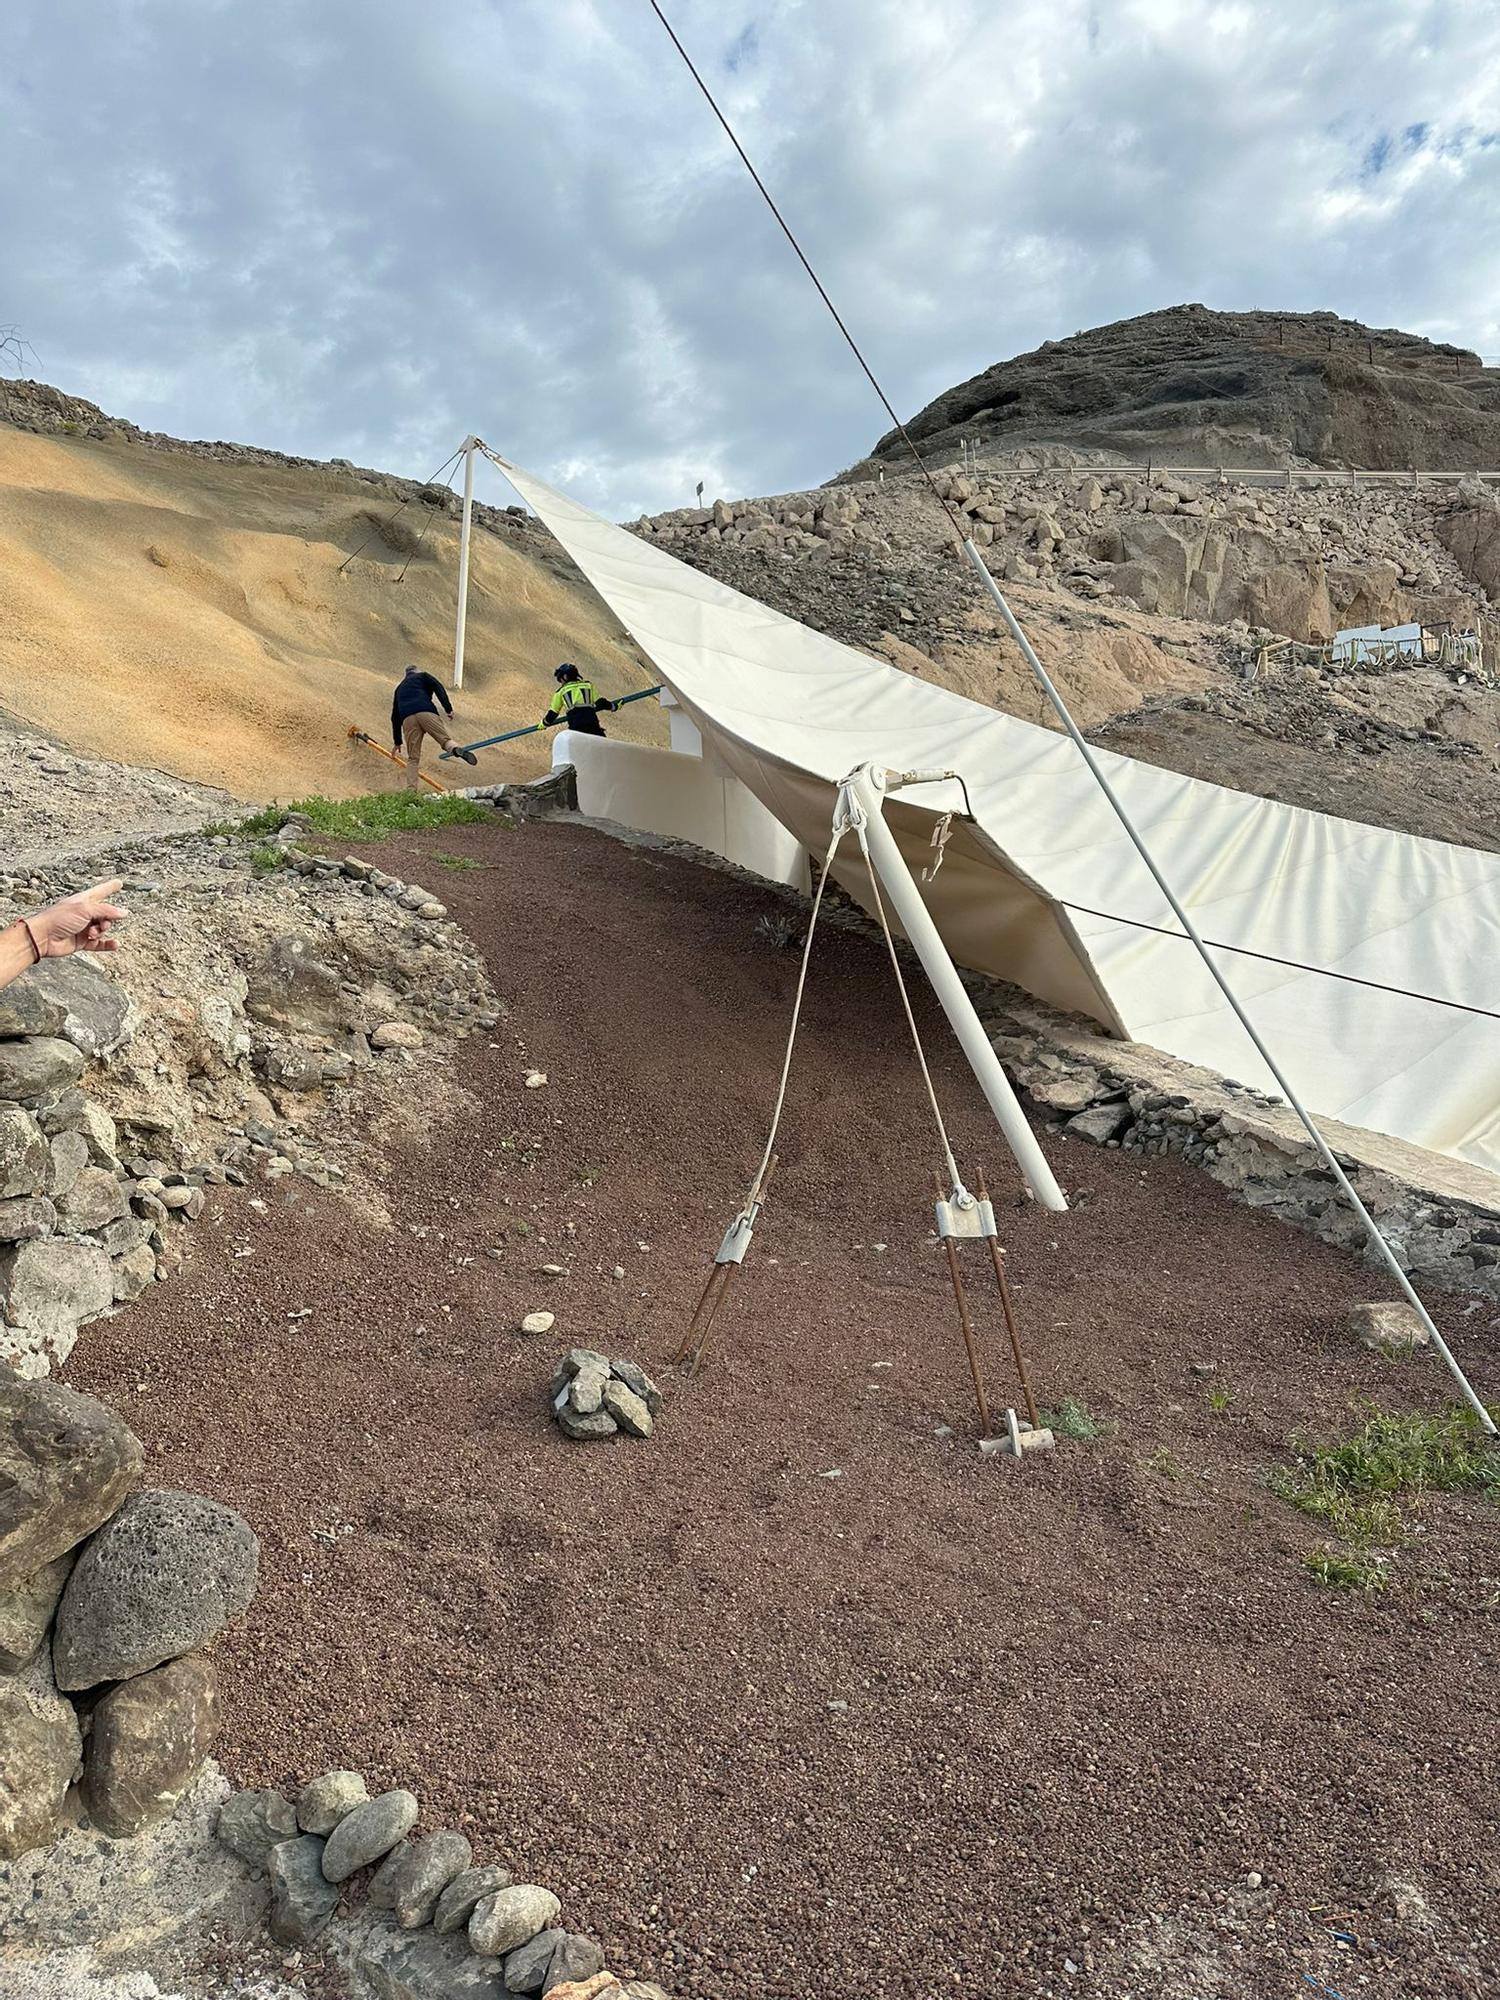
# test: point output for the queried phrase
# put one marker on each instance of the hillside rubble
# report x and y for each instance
(1190, 386)
(1148, 602)
(272, 1010)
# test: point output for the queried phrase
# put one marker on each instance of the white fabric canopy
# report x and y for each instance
(791, 712)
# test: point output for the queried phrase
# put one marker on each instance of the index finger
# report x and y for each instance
(111, 888)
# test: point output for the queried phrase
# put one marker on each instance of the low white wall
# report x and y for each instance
(685, 798)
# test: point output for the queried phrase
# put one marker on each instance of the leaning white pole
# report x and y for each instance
(463, 563)
(1372, 1228)
(867, 785)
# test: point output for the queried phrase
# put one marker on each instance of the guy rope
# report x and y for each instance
(959, 1215)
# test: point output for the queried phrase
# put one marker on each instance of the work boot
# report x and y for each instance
(467, 755)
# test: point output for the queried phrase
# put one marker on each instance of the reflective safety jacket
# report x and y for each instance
(577, 703)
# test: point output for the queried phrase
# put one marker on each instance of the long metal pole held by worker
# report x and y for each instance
(470, 443)
(867, 786)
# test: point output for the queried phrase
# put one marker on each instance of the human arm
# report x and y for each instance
(608, 706)
(395, 726)
(438, 692)
(78, 923)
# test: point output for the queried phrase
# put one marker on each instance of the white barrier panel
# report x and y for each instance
(686, 798)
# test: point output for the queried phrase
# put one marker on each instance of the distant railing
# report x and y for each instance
(973, 463)
(1437, 646)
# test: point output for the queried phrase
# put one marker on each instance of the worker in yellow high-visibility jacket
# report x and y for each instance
(577, 703)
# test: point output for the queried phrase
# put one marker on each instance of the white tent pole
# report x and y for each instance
(463, 563)
(1372, 1228)
(867, 786)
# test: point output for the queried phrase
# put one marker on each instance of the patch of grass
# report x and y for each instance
(1219, 1400)
(453, 860)
(1358, 1487)
(368, 818)
(1162, 1461)
(1074, 1419)
(380, 813)
(1347, 1569)
(267, 859)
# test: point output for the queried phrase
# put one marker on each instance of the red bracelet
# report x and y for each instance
(31, 935)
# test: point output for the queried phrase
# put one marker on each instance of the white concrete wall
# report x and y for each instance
(686, 798)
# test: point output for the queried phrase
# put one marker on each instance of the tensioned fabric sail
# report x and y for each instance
(791, 712)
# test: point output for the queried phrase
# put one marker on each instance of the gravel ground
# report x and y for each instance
(930, 1725)
(56, 804)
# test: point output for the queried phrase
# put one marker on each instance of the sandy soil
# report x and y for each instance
(191, 615)
(803, 1697)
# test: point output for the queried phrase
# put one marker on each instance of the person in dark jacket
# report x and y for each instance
(577, 703)
(414, 714)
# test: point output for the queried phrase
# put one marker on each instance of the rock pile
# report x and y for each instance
(448, 1930)
(106, 1595)
(81, 1228)
(593, 1396)
(264, 985)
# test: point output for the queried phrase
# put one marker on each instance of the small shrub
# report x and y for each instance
(782, 931)
(266, 860)
(1347, 1569)
(1074, 1419)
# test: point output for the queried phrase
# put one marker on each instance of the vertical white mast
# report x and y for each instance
(463, 563)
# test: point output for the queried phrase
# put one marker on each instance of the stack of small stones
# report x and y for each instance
(447, 1927)
(593, 1396)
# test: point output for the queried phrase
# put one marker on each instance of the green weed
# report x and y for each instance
(1219, 1400)
(453, 860)
(1074, 1419)
(1358, 1487)
(1162, 1461)
(267, 859)
(368, 818)
(1347, 1569)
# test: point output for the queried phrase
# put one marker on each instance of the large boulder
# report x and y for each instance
(293, 989)
(169, 1571)
(36, 1068)
(39, 1750)
(302, 1899)
(1471, 531)
(26, 1219)
(97, 1017)
(250, 1824)
(147, 1742)
(423, 1965)
(414, 1875)
(511, 1917)
(368, 1833)
(25, 1159)
(26, 1009)
(66, 1463)
(94, 1200)
(47, 1290)
(26, 1612)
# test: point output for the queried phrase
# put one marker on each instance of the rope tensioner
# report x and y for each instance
(959, 1215)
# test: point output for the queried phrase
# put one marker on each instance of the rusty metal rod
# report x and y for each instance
(1008, 1308)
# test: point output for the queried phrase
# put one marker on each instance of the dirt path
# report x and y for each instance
(930, 1725)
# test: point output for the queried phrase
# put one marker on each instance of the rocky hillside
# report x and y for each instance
(1188, 386)
(225, 613)
(1148, 600)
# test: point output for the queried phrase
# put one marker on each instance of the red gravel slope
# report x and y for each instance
(931, 1725)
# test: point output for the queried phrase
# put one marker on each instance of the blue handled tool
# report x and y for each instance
(531, 728)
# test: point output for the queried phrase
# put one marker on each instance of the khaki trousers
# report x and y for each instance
(426, 722)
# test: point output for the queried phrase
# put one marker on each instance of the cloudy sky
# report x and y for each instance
(362, 227)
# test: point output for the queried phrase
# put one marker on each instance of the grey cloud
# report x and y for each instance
(362, 229)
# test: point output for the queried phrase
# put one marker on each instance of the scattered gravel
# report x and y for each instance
(933, 1723)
